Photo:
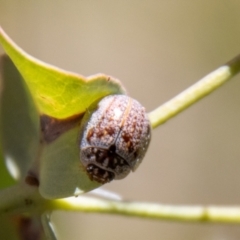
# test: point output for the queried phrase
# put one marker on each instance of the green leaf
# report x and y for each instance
(5, 178)
(19, 121)
(58, 93)
(61, 173)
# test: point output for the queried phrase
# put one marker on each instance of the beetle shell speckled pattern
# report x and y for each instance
(115, 135)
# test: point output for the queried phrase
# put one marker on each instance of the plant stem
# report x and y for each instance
(194, 93)
(26, 199)
(212, 214)
(21, 198)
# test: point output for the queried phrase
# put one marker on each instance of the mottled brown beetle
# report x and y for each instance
(115, 134)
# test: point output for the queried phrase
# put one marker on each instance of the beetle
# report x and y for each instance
(115, 135)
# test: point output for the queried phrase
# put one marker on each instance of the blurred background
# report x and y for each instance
(157, 49)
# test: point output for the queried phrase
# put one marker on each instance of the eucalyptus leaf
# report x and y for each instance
(61, 173)
(19, 121)
(5, 178)
(58, 93)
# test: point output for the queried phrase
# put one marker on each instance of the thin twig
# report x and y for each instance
(214, 214)
(22, 198)
(194, 93)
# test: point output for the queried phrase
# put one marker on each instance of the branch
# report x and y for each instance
(194, 93)
(214, 214)
(23, 198)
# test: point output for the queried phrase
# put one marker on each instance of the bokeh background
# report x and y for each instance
(157, 49)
